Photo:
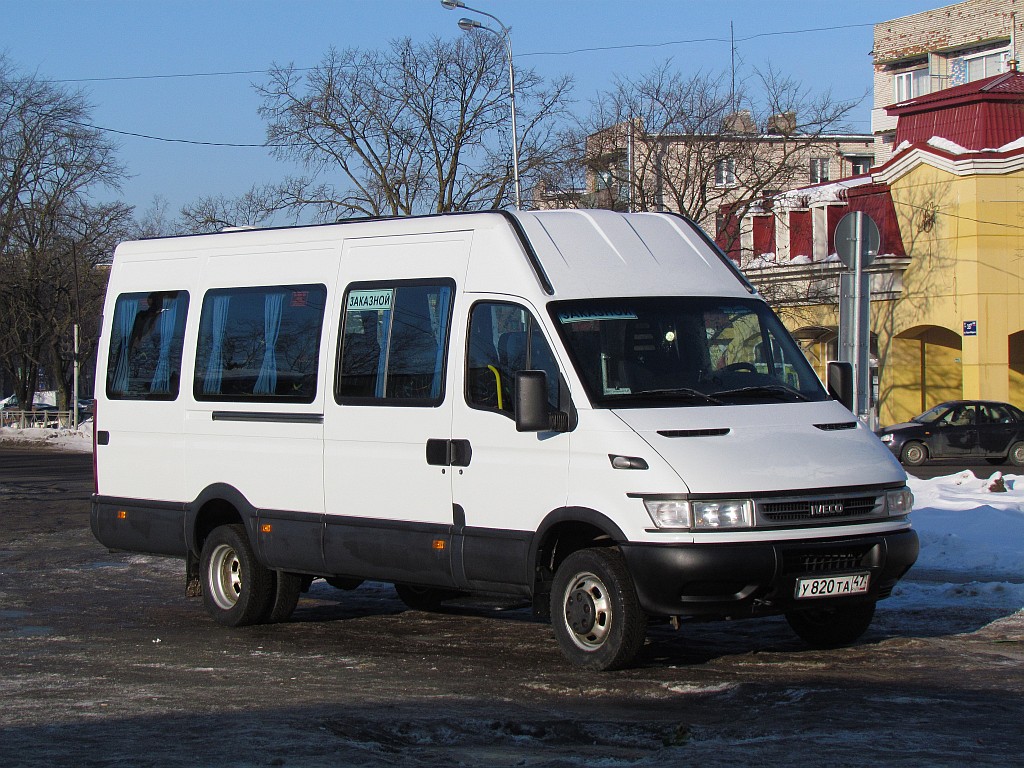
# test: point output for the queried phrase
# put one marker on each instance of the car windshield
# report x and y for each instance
(932, 414)
(683, 351)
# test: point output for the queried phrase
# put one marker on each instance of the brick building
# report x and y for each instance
(943, 48)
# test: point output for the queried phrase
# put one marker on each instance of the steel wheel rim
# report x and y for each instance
(225, 577)
(1017, 456)
(915, 453)
(587, 611)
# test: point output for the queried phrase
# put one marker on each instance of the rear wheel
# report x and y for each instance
(595, 612)
(1016, 455)
(831, 627)
(914, 454)
(237, 588)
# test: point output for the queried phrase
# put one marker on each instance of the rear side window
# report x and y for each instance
(393, 342)
(145, 345)
(260, 344)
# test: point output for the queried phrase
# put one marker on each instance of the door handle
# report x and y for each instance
(449, 453)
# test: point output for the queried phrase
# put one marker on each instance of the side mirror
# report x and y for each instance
(839, 382)
(531, 400)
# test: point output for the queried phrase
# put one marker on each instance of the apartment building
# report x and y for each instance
(934, 50)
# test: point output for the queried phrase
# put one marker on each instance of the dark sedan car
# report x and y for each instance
(967, 429)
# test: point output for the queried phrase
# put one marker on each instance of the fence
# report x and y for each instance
(10, 417)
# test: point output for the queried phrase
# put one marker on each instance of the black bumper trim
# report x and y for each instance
(715, 581)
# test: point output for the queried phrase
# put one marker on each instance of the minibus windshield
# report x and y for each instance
(683, 351)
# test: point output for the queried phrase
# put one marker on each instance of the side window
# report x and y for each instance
(145, 345)
(503, 339)
(260, 344)
(393, 342)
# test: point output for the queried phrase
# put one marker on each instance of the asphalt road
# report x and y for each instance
(105, 662)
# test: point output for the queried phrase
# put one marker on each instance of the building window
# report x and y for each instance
(859, 165)
(725, 172)
(977, 67)
(819, 170)
(910, 85)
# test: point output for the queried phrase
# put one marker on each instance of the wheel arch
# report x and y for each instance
(564, 531)
(218, 504)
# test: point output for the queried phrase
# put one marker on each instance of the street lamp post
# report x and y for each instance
(469, 24)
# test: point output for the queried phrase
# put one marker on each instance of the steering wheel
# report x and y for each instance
(737, 367)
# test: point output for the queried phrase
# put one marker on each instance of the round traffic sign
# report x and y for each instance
(857, 227)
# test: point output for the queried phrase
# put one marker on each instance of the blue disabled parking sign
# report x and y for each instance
(970, 327)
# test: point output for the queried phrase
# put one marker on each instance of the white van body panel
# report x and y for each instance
(372, 454)
(745, 462)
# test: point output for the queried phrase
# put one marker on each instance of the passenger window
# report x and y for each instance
(260, 344)
(504, 339)
(146, 340)
(393, 343)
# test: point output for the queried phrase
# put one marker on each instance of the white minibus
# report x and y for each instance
(589, 410)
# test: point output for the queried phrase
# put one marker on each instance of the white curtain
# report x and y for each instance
(125, 322)
(161, 383)
(215, 363)
(266, 383)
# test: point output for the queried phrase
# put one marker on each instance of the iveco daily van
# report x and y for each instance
(591, 410)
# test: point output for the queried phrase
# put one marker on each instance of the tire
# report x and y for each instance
(914, 454)
(1016, 454)
(424, 598)
(595, 612)
(831, 627)
(287, 587)
(237, 589)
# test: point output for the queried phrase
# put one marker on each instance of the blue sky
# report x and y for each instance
(93, 41)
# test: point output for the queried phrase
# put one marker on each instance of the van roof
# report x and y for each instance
(583, 252)
(574, 253)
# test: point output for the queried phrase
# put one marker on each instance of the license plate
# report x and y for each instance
(832, 586)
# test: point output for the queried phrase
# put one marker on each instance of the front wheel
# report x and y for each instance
(831, 627)
(595, 612)
(914, 454)
(237, 589)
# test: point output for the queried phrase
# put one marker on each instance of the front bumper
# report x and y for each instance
(716, 581)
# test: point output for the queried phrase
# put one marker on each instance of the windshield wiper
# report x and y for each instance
(765, 389)
(693, 394)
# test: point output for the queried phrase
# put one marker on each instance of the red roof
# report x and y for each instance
(985, 114)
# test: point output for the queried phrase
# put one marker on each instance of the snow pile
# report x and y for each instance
(67, 439)
(972, 544)
(967, 528)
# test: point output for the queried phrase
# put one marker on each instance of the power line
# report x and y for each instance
(572, 52)
(175, 141)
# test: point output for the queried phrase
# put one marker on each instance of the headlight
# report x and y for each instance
(700, 515)
(887, 438)
(668, 514)
(899, 502)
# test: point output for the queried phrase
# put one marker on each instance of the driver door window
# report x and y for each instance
(505, 339)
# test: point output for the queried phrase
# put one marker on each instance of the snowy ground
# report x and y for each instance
(971, 529)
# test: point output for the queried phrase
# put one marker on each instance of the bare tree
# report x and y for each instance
(665, 141)
(416, 128)
(50, 159)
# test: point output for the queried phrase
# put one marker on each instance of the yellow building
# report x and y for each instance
(946, 314)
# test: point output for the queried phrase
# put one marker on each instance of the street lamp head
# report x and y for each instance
(451, 5)
(467, 24)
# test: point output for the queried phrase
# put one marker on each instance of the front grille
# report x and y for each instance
(818, 510)
(824, 562)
